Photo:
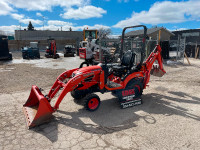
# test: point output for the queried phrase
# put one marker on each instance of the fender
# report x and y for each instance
(131, 76)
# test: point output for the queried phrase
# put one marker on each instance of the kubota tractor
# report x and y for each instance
(126, 81)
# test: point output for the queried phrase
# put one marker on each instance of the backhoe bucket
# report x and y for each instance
(37, 108)
(156, 71)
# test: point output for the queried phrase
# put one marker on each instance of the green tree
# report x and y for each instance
(30, 26)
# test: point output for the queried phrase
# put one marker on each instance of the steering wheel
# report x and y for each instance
(84, 63)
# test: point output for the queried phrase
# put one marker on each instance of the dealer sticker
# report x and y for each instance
(131, 103)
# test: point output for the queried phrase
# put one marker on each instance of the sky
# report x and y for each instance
(95, 14)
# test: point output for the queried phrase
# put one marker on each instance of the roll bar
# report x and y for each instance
(144, 41)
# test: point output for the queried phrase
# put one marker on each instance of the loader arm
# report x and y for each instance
(149, 68)
(68, 83)
(38, 109)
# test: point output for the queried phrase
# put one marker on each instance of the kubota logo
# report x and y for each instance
(128, 92)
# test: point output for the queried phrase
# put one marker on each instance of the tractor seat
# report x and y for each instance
(126, 64)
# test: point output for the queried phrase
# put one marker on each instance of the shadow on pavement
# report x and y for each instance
(110, 118)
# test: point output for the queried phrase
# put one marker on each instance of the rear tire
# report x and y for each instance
(92, 102)
(137, 84)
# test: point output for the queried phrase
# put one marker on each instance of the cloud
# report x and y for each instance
(74, 28)
(96, 26)
(22, 19)
(17, 16)
(9, 29)
(125, 1)
(175, 28)
(39, 14)
(33, 21)
(53, 27)
(5, 8)
(84, 12)
(76, 9)
(164, 12)
(45, 5)
(59, 23)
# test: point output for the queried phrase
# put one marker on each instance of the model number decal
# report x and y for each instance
(76, 78)
(88, 74)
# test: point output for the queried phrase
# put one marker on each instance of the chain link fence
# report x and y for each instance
(172, 50)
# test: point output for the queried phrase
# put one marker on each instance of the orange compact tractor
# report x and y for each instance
(126, 81)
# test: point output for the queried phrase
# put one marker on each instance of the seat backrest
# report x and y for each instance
(128, 59)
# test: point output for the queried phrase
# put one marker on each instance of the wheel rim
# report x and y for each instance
(93, 103)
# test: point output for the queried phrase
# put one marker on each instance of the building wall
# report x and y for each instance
(60, 44)
(192, 36)
(165, 36)
(24, 37)
(44, 35)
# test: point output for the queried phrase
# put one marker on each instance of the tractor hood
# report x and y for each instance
(87, 70)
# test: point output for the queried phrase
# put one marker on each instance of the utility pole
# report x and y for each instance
(18, 41)
(43, 22)
(19, 31)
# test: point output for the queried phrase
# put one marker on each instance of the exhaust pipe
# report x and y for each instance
(37, 108)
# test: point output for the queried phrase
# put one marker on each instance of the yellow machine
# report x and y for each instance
(89, 33)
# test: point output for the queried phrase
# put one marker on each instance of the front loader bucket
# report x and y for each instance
(156, 71)
(37, 108)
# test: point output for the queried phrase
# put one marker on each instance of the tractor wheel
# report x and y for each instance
(79, 94)
(92, 102)
(24, 56)
(10, 56)
(38, 55)
(137, 85)
(54, 57)
(46, 55)
(57, 56)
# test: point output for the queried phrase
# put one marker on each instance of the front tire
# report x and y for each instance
(92, 102)
(79, 94)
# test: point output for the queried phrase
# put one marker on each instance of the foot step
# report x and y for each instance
(111, 84)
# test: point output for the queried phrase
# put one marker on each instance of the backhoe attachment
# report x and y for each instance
(157, 71)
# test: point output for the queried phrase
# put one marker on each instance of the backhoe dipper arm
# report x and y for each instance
(155, 55)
